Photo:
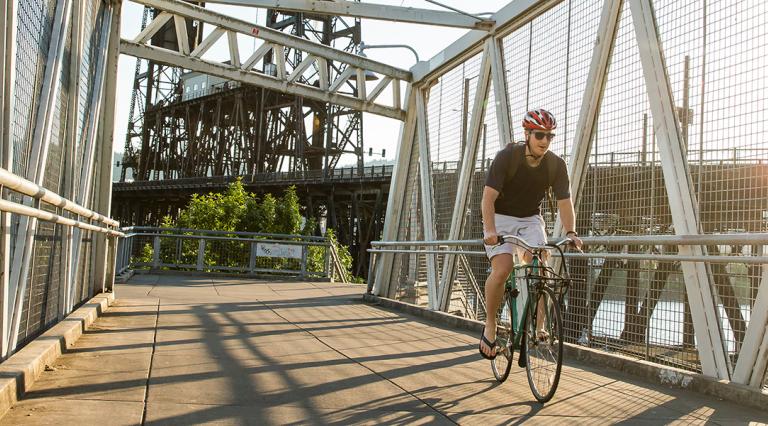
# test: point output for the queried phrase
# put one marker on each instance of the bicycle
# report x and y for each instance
(539, 337)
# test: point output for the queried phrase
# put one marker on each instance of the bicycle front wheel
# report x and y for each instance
(505, 319)
(543, 345)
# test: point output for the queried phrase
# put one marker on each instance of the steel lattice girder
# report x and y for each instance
(370, 11)
(285, 81)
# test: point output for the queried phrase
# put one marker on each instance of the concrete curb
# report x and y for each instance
(652, 373)
(19, 372)
(231, 275)
(124, 277)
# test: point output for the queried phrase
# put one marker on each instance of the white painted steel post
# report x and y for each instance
(677, 180)
(7, 83)
(753, 356)
(156, 252)
(500, 93)
(201, 255)
(427, 208)
(396, 197)
(82, 197)
(104, 146)
(469, 158)
(304, 260)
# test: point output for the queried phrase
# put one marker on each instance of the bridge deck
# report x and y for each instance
(188, 350)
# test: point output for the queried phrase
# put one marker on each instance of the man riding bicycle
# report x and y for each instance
(514, 189)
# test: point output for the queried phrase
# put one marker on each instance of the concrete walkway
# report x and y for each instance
(188, 350)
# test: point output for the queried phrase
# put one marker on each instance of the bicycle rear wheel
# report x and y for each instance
(504, 319)
(543, 345)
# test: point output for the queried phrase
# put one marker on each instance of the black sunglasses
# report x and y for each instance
(542, 135)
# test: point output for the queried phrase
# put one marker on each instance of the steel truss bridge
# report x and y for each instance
(675, 271)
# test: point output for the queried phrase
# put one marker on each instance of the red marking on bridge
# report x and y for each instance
(255, 31)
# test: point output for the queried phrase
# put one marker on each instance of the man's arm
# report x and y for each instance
(488, 210)
(568, 218)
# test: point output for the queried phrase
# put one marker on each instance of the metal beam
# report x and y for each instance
(70, 144)
(82, 197)
(268, 34)
(499, 78)
(468, 161)
(425, 175)
(226, 71)
(396, 197)
(7, 80)
(368, 11)
(104, 255)
(753, 356)
(677, 180)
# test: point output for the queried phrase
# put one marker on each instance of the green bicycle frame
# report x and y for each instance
(509, 286)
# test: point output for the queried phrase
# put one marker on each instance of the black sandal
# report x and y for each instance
(490, 344)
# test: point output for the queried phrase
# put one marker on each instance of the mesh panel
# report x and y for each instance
(43, 306)
(408, 278)
(534, 80)
(35, 23)
(40, 308)
(719, 86)
(87, 76)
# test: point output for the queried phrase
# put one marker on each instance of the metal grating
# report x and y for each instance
(35, 23)
(43, 290)
(408, 276)
(719, 85)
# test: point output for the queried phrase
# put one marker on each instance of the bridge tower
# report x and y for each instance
(191, 125)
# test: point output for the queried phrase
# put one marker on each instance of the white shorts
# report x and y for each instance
(530, 228)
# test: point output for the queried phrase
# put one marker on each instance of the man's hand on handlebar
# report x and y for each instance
(575, 242)
(491, 238)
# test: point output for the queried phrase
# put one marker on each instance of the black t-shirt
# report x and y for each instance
(521, 195)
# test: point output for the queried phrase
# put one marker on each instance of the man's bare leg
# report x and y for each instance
(501, 266)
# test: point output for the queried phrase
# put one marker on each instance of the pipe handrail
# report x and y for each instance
(11, 207)
(222, 238)
(143, 230)
(19, 184)
(684, 240)
(751, 260)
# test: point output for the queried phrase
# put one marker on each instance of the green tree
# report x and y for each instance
(217, 211)
(260, 216)
(237, 210)
(287, 213)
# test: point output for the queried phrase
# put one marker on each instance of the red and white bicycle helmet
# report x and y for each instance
(539, 119)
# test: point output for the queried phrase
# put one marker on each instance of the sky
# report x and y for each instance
(378, 132)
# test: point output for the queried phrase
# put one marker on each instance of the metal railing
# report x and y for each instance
(17, 284)
(634, 311)
(18, 184)
(231, 252)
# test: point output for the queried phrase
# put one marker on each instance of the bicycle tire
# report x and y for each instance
(544, 356)
(503, 361)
